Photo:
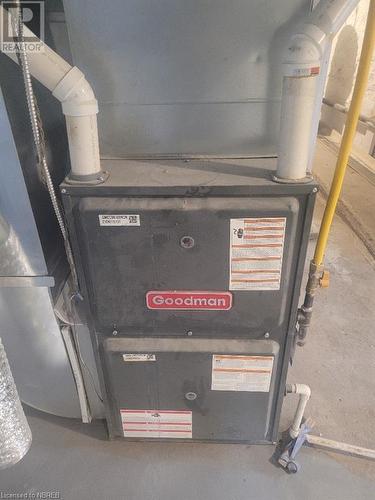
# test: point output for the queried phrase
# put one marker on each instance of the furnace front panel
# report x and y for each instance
(191, 296)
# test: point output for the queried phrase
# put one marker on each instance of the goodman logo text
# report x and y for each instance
(187, 300)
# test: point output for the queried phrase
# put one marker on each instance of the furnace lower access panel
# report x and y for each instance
(191, 296)
(201, 389)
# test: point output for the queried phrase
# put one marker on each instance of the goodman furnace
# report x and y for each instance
(190, 273)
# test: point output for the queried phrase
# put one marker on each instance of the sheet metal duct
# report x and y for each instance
(180, 77)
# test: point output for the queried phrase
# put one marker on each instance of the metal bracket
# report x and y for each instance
(26, 281)
(77, 373)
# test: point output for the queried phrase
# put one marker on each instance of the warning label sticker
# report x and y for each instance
(256, 253)
(157, 423)
(136, 357)
(120, 220)
(241, 373)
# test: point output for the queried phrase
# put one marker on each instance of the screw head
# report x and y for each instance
(187, 242)
(315, 190)
(267, 335)
(189, 333)
(63, 191)
(191, 396)
(115, 332)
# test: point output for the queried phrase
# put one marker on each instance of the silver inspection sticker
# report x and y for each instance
(120, 220)
(136, 357)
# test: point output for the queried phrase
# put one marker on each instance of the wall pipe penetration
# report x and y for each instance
(79, 105)
(301, 67)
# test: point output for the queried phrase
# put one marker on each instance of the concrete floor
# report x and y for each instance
(338, 362)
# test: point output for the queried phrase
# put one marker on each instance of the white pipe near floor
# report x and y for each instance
(304, 393)
(69, 85)
(301, 66)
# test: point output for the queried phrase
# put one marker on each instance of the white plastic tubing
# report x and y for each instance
(301, 68)
(304, 393)
(69, 85)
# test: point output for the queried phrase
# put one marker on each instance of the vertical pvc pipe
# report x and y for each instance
(296, 126)
(83, 146)
(302, 94)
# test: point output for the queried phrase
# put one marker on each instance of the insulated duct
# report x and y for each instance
(15, 434)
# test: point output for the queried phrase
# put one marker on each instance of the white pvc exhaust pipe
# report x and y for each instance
(79, 105)
(301, 67)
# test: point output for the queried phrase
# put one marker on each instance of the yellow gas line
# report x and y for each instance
(349, 133)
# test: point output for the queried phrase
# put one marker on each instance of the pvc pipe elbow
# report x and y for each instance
(306, 47)
(75, 94)
(330, 15)
(300, 389)
(80, 109)
(304, 52)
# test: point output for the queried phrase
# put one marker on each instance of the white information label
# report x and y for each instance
(136, 357)
(256, 253)
(176, 424)
(120, 220)
(241, 373)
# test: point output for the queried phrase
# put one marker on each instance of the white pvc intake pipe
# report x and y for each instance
(69, 86)
(301, 66)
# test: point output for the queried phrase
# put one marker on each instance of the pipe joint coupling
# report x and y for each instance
(304, 53)
(76, 95)
(315, 275)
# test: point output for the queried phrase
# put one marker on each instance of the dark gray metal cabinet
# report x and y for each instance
(188, 366)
